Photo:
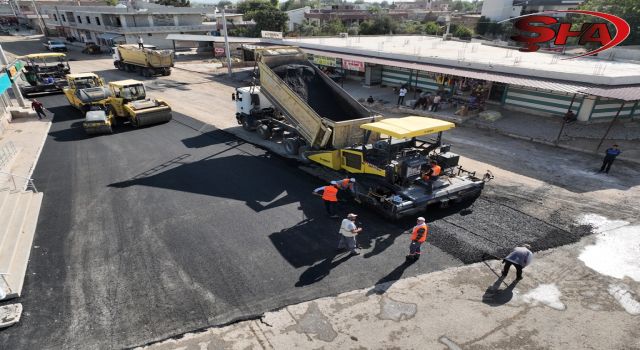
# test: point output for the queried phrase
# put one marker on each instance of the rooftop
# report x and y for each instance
(475, 55)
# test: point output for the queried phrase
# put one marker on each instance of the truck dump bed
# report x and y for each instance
(146, 57)
(322, 112)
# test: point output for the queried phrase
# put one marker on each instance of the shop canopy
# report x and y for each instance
(408, 127)
(626, 93)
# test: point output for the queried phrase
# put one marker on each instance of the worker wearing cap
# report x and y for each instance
(348, 232)
(329, 196)
(347, 184)
(418, 236)
(609, 157)
(520, 257)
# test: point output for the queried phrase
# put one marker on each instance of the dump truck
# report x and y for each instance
(319, 123)
(129, 101)
(43, 73)
(147, 61)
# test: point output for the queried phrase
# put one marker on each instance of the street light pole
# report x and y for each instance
(226, 43)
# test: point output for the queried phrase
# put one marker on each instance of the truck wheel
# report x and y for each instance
(264, 132)
(166, 72)
(247, 124)
(301, 152)
(291, 146)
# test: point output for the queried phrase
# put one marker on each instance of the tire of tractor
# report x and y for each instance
(291, 146)
(301, 152)
(166, 72)
(134, 122)
(264, 131)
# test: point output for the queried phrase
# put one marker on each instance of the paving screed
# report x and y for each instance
(153, 232)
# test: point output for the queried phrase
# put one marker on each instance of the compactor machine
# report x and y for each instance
(129, 100)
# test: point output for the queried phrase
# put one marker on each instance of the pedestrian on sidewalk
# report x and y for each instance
(436, 103)
(520, 257)
(401, 93)
(418, 236)
(329, 196)
(609, 157)
(39, 108)
(348, 232)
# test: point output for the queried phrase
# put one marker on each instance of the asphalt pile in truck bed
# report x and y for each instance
(305, 80)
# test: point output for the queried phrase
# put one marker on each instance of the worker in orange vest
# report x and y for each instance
(433, 173)
(418, 236)
(329, 196)
(347, 184)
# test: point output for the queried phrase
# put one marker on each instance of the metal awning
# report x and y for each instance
(109, 36)
(625, 93)
(469, 73)
(211, 38)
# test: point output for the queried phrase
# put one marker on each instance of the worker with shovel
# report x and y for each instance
(418, 236)
(329, 196)
(520, 257)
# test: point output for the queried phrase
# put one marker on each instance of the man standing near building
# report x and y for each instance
(140, 42)
(418, 236)
(609, 157)
(401, 93)
(329, 196)
(436, 103)
(39, 108)
(348, 233)
(520, 257)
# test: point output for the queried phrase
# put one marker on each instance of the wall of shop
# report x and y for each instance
(607, 108)
(543, 101)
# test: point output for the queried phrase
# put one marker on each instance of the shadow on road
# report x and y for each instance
(387, 281)
(209, 138)
(321, 270)
(494, 296)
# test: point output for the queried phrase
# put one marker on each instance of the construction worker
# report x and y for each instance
(348, 233)
(433, 173)
(610, 156)
(418, 236)
(520, 257)
(329, 196)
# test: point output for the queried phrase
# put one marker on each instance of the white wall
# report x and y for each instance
(296, 17)
(497, 10)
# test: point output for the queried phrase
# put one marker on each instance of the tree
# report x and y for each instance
(265, 14)
(224, 3)
(462, 32)
(175, 3)
(384, 4)
(111, 2)
(628, 10)
(483, 25)
(333, 28)
(457, 6)
(380, 25)
(431, 28)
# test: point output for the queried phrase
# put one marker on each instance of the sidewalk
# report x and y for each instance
(583, 137)
(581, 296)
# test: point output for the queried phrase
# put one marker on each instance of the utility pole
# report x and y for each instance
(226, 43)
(14, 85)
(43, 26)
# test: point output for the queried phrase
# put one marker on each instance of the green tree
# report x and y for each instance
(483, 25)
(431, 28)
(384, 4)
(175, 3)
(628, 10)
(463, 32)
(265, 14)
(380, 25)
(111, 2)
(333, 28)
(224, 4)
(457, 6)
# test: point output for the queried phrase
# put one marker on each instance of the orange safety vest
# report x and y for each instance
(435, 171)
(420, 236)
(330, 193)
(344, 184)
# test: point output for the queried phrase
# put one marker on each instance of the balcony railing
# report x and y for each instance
(159, 29)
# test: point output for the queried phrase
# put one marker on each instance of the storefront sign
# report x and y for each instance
(353, 65)
(15, 68)
(271, 35)
(218, 51)
(325, 61)
(5, 83)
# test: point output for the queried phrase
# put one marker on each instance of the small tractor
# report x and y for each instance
(129, 100)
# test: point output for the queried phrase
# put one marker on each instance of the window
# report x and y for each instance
(63, 18)
(98, 20)
(79, 19)
(88, 20)
(55, 18)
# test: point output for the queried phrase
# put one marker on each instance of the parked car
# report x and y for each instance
(55, 45)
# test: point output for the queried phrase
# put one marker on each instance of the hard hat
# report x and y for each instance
(352, 215)
(334, 183)
(421, 219)
(352, 179)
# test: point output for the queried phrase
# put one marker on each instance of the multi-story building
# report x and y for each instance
(347, 14)
(106, 25)
(296, 17)
(498, 10)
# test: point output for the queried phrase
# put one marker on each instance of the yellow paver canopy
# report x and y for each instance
(35, 56)
(408, 127)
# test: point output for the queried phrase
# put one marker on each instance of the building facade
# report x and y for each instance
(499, 10)
(296, 17)
(349, 15)
(106, 25)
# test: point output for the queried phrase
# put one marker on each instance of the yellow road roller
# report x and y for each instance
(129, 100)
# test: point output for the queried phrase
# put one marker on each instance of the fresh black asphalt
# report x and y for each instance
(149, 233)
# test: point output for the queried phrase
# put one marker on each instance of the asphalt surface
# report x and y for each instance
(149, 233)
